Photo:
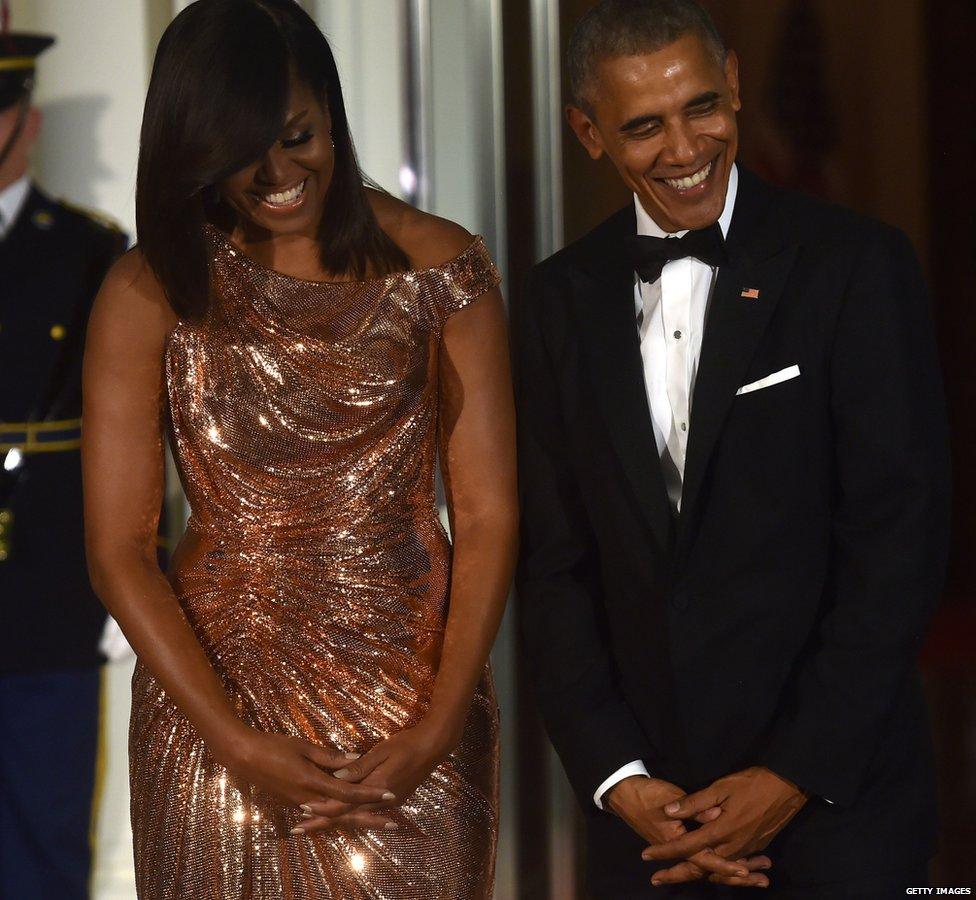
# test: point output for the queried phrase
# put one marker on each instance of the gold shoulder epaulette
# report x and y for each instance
(96, 216)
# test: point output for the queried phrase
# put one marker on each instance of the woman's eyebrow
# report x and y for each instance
(295, 118)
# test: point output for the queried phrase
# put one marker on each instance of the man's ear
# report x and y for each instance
(732, 78)
(586, 131)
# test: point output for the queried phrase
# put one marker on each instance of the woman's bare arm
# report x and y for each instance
(122, 460)
(477, 441)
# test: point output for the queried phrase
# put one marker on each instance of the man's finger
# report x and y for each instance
(754, 880)
(710, 815)
(701, 864)
(759, 863)
(686, 846)
(713, 863)
(668, 831)
(685, 871)
(694, 804)
(756, 866)
(716, 864)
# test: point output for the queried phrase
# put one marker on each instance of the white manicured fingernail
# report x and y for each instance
(391, 826)
(305, 807)
(297, 831)
(353, 755)
(389, 795)
(342, 774)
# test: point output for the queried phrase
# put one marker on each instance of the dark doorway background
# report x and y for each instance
(868, 103)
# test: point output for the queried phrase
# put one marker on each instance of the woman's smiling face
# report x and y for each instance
(284, 191)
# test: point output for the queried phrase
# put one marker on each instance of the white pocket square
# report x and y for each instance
(776, 378)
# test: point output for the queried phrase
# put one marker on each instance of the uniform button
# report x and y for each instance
(677, 335)
(58, 332)
(684, 426)
(42, 219)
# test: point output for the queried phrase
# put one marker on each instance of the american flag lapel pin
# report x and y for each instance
(750, 294)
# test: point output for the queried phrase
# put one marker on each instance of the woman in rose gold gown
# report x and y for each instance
(312, 717)
(303, 419)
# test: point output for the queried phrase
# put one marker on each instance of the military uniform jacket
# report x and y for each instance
(52, 263)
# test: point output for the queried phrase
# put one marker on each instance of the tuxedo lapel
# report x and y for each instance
(612, 346)
(743, 301)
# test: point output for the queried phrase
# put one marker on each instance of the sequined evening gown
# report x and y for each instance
(303, 417)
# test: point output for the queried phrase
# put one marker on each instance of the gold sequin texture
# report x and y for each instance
(315, 574)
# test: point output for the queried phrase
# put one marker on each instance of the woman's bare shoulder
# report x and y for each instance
(131, 274)
(427, 239)
(132, 300)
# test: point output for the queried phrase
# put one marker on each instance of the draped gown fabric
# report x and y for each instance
(315, 574)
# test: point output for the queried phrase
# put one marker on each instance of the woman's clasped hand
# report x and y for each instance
(299, 773)
(396, 766)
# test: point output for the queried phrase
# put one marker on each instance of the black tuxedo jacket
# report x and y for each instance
(776, 620)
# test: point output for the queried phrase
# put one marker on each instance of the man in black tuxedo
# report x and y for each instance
(735, 486)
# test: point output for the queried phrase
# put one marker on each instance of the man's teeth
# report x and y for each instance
(285, 197)
(682, 184)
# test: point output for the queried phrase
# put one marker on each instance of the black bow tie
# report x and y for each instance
(650, 254)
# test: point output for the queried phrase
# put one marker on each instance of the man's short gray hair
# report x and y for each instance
(616, 28)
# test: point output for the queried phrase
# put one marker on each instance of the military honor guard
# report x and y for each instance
(52, 261)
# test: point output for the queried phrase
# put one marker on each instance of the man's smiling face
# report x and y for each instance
(667, 121)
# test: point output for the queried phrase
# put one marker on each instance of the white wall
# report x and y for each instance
(368, 39)
(91, 87)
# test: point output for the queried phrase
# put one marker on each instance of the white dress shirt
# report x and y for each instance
(671, 312)
(12, 200)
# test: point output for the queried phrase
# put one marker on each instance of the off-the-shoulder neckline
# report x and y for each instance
(238, 253)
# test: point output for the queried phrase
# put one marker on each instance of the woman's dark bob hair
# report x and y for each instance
(217, 101)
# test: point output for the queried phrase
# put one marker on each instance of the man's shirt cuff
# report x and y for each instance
(636, 767)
